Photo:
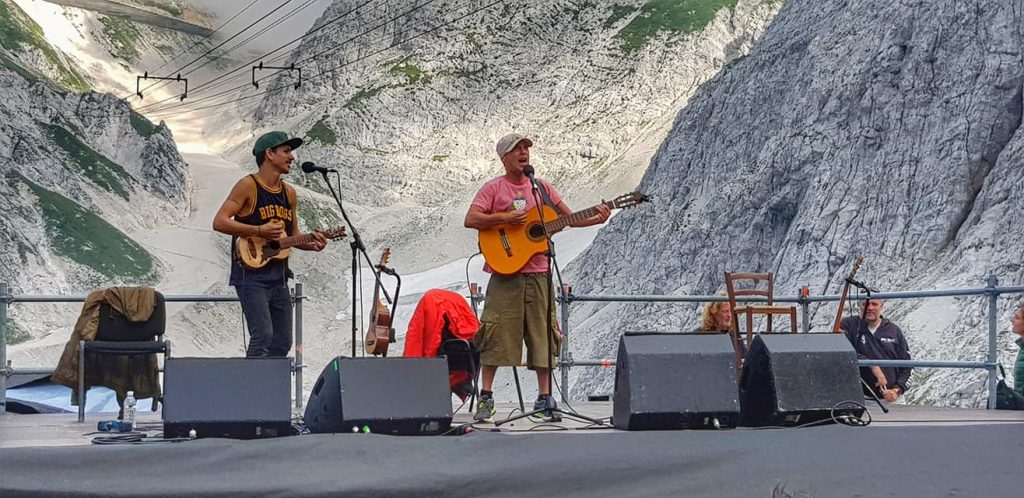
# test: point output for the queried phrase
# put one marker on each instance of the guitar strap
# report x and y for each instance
(545, 197)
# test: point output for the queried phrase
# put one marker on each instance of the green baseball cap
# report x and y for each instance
(274, 139)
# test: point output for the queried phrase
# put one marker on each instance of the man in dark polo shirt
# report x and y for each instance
(876, 338)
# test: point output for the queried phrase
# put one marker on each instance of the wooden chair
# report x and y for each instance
(755, 308)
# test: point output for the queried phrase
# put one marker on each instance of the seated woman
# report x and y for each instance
(716, 318)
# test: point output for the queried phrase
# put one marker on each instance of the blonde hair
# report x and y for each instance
(707, 314)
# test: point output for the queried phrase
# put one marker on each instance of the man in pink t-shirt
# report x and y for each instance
(519, 307)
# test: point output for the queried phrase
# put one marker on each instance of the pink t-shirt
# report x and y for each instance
(500, 195)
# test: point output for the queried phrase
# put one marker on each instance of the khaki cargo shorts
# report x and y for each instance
(514, 312)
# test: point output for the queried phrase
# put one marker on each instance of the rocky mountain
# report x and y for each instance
(863, 127)
(23, 40)
(82, 173)
(110, 51)
(412, 128)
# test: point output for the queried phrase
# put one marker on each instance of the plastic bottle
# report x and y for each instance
(129, 411)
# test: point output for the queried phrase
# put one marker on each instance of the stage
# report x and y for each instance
(912, 451)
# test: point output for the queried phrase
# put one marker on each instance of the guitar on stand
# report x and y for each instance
(255, 252)
(507, 248)
(381, 334)
(846, 292)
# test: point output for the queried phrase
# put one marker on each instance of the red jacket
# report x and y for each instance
(427, 322)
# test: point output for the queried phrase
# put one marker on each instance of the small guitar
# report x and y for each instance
(846, 291)
(255, 252)
(507, 248)
(378, 335)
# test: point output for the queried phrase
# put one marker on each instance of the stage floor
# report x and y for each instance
(912, 451)
(63, 430)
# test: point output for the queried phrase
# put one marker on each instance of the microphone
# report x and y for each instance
(308, 167)
(528, 171)
(860, 285)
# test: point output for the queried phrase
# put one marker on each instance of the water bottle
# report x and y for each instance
(129, 411)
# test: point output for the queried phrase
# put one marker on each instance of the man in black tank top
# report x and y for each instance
(263, 205)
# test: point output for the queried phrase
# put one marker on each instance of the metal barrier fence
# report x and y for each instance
(566, 361)
(991, 291)
(7, 299)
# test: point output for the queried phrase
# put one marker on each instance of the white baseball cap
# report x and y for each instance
(509, 142)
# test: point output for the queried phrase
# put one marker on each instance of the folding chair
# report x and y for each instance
(116, 335)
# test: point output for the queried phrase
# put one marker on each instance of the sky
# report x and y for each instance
(295, 26)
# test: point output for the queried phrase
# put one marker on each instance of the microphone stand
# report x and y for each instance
(860, 327)
(556, 413)
(357, 246)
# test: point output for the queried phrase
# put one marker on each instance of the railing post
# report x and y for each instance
(297, 327)
(805, 308)
(475, 297)
(993, 298)
(5, 369)
(566, 353)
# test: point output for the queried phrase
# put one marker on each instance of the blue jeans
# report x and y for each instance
(268, 312)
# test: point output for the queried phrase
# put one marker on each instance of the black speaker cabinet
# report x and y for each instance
(675, 381)
(240, 398)
(796, 379)
(407, 396)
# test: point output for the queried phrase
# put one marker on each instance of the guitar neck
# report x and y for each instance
(578, 216)
(295, 240)
(842, 303)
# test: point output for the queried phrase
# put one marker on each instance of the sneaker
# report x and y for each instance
(485, 409)
(545, 402)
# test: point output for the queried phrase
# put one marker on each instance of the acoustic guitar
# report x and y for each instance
(255, 252)
(507, 248)
(378, 335)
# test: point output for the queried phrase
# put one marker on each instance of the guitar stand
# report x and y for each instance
(394, 303)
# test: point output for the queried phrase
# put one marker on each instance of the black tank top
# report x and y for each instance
(270, 205)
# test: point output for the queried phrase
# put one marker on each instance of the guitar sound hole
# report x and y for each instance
(536, 232)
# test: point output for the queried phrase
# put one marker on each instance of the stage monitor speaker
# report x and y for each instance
(408, 396)
(796, 379)
(242, 398)
(675, 381)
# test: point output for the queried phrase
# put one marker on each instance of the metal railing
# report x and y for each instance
(7, 299)
(991, 291)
